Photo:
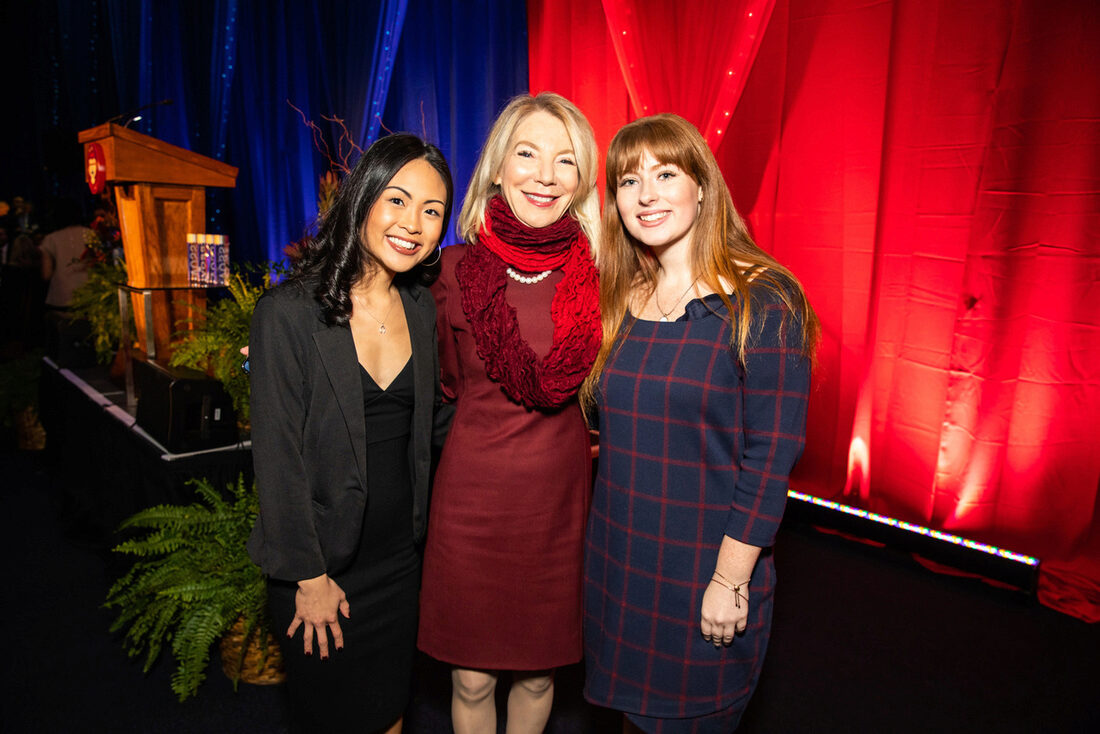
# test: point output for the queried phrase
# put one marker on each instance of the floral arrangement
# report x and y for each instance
(103, 240)
(96, 301)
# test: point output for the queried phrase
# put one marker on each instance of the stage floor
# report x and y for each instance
(864, 640)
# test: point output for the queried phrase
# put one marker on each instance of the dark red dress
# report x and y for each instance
(502, 565)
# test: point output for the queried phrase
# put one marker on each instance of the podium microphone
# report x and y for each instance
(133, 115)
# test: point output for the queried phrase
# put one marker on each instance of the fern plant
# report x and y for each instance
(96, 301)
(191, 581)
(213, 344)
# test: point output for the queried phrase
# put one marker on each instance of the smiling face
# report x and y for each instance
(539, 175)
(658, 203)
(406, 223)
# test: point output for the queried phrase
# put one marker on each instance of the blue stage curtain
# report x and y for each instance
(223, 63)
(233, 69)
(131, 24)
(232, 66)
(318, 57)
(358, 88)
(278, 59)
(458, 65)
(182, 53)
(154, 59)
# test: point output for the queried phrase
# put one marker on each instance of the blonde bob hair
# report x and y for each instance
(723, 254)
(585, 206)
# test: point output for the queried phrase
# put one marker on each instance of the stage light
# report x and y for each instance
(920, 530)
(1003, 565)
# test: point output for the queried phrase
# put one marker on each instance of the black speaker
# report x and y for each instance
(183, 409)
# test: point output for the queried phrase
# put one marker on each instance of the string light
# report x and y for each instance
(913, 528)
(229, 46)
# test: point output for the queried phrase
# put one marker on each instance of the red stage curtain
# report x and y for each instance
(691, 60)
(570, 52)
(931, 171)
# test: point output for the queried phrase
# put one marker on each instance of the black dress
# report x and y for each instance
(365, 686)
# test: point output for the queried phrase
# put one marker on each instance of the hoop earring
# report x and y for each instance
(438, 257)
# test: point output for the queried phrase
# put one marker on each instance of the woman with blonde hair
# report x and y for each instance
(519, 326)
(701, 383)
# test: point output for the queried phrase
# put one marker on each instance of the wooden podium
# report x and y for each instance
(160, 190)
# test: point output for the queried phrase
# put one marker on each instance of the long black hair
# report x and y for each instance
(336, 258)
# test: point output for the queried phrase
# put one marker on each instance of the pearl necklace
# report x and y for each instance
(527, 279)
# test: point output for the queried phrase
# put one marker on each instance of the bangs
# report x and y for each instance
(663, 139)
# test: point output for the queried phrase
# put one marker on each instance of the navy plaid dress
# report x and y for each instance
(692, 447)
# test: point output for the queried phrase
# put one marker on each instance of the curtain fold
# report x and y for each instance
(381, 69)
(1021, 422)
(131, 40)
(223, 65)
(713, 44)
(276, 193)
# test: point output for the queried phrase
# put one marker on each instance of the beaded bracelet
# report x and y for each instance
(734, 588)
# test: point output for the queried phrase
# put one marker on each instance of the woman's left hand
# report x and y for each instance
(722, 618)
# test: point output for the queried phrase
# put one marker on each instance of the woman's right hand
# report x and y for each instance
(316, 604)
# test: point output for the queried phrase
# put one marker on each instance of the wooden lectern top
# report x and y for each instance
(134, 157)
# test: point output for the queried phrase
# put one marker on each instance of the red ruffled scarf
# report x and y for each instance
(509, 360)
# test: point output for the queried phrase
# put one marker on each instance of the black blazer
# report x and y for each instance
(309, 432)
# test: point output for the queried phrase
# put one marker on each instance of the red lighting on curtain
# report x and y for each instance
(689, 60)
(931, 171)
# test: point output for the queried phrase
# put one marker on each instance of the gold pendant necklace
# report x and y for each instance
(381, 321)
(657, 300)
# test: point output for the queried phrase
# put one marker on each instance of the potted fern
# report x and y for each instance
(213, 343)
(193, 583)
(96, 301)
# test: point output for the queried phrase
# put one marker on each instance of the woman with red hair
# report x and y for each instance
(701, 383)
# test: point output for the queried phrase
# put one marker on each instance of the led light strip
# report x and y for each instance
(928, 532)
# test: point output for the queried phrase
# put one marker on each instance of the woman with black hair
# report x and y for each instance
(345, 411)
